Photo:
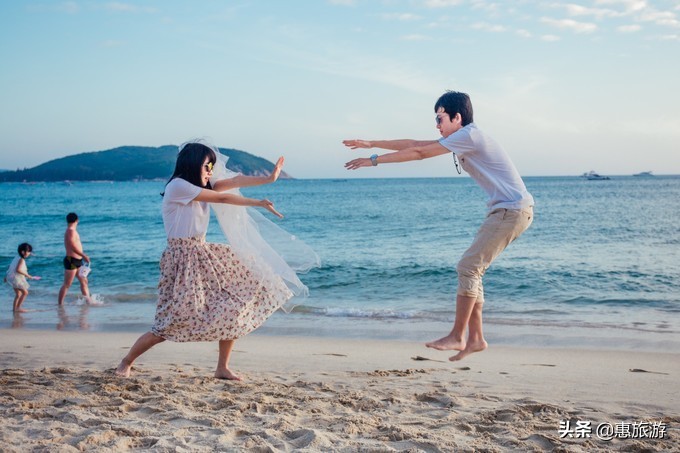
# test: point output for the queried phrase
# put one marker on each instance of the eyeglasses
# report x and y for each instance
(438, 119)
(208, 167)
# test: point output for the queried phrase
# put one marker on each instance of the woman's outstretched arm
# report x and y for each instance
(249, 181)
(212, 196)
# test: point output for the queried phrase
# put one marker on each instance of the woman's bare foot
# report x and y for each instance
(447, 343)
(20, 310)
(227, 374)
(471, 348)
(124, 369)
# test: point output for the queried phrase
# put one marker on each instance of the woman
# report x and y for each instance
(208, 291)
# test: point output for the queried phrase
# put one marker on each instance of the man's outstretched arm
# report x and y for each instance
(395, 145)
(405, 155)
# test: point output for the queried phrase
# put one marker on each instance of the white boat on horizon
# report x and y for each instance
(644, 173)
(593, 176)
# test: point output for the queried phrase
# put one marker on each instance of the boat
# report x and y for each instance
(593, 176)
(644, 174)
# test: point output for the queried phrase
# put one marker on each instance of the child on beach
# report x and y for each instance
(209, 291)
(510, 206)
(16, 276)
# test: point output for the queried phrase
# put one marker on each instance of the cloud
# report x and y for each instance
(492, 8)
(550, 38)
(404, 17)
(69, 7)
(569, 24)
(127, 8)
(488, 27)
(342, 2)
(641, 10)
(598, 13)
(629, 28)
(523, 33)
(629, 6)
(666, 18)
(442, 3)
(415, 37)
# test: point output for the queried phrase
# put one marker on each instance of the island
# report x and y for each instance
(130, 163)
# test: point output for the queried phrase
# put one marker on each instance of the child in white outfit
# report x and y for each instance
(16, 276)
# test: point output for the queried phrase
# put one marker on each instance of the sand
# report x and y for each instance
(58, 393)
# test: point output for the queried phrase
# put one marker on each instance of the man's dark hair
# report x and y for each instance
(71, 217)
(455, 102)
(189, 162)
(24, 247)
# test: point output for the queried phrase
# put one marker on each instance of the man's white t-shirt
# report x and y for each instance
(490, 166)
(182, 216)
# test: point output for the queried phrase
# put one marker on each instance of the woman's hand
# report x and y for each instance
(277, 170)
(354, 144)
(269, 206)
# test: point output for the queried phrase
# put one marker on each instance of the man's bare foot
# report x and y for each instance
(124, 369)
(471, 348)
(20, 310)
(227, 374)
(447, 343)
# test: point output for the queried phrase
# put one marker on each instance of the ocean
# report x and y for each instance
(599, 267)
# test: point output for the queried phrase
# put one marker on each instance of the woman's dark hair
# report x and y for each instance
(455, 102)
(189, 162)
(71, 217)
(23, 248)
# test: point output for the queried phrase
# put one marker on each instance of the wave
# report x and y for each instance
(672, 306)
(639, 327)
(534, 318)
(336, 312)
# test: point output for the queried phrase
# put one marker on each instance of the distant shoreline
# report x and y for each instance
(341, 179)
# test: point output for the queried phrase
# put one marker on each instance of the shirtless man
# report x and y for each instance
(74, 259)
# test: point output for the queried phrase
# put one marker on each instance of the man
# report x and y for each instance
(74, 259)
(510, 206)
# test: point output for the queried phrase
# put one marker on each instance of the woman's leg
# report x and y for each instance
(143, 344)
(223, 371)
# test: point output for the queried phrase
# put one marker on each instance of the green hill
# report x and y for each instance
(129, 163)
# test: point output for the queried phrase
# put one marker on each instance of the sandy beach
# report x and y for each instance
(58, 393)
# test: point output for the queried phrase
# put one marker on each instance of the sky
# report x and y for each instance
(564, 87)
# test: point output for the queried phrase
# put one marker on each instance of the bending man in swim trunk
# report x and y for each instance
(74, 259)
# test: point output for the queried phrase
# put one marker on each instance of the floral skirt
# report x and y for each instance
(207, 293)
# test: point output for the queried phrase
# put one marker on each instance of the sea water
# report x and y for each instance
(599, 267)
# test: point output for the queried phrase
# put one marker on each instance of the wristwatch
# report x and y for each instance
(374, 159)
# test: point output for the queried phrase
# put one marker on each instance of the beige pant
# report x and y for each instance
(501, 227)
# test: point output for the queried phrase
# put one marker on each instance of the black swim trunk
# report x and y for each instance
(71, 263)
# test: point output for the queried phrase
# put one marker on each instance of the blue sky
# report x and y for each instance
(565, 87)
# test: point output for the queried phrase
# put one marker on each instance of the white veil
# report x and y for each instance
(270, 252)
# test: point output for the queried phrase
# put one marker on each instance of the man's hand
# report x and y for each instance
(358, 163)
(277, 170)
(354, 144)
